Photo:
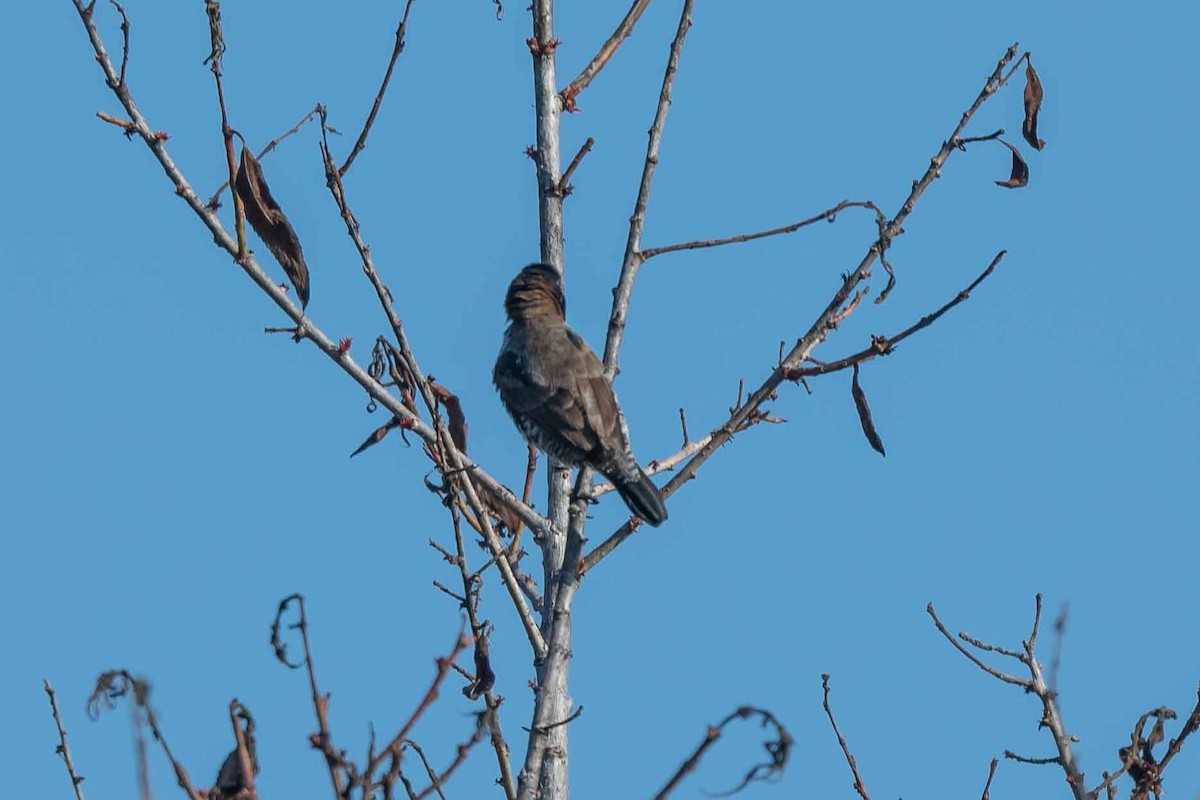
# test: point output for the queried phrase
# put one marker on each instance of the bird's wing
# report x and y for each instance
(595, 394)
(553, 408)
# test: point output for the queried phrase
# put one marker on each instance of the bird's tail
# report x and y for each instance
(643, 498)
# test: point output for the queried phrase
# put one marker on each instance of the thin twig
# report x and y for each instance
(483, 722)
(443, 668)
(320, 702)
(214, 202)
(397, 49)
(990, 670)
(633, 259)
(124, 124)
(471, 589)
(828, 215)
(217, 37)
(1009, 754)
(63, 750)
(859, 786)
(883, 345)
(576, 714)
(778, 749)
(601, 58)
(991, 774)
(435, 784)
(125, 37)
(564, 183)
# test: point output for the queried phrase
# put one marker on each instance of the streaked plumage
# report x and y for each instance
(555, 389)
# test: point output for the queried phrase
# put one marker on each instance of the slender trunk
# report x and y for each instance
(544, 774)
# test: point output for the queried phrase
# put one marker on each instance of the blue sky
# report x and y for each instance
(170, 472)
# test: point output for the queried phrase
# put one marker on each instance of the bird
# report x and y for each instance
(231, 780)
(555, 389)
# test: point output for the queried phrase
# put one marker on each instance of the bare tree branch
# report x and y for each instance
(859, 786)
(397, 49)
(323, 739)
(304, 327)
(820, 328)
(974, 659)
(217, 36)
(633, 259)
(884, 345)
(443, 667)
(1035, 684)
(828, 215)
(778, 749)
(63, 750)
(601, 58)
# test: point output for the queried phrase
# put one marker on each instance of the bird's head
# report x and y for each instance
(536, 291)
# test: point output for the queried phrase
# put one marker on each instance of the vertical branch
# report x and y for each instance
(633, 257)
(549, 781)
(213, 9)
(323, 739)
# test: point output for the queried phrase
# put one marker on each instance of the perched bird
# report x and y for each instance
(555, 389)
(231, 781)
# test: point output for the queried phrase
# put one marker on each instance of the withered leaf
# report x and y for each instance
(1033, 104)
(458, 420)
(377, 436)
(1020, 170)
(271, 224)
(485, 677)
(864, 414)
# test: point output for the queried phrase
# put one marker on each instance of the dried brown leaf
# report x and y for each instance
(458, 420)
(864, 414)
(271, 224)
(1033, 104)
(377, 436)
(1020, 170)
(508, 518)
(485, 677)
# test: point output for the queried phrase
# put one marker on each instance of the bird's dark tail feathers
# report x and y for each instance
(643, 499)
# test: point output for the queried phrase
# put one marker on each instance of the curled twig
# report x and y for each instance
(777, 749)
